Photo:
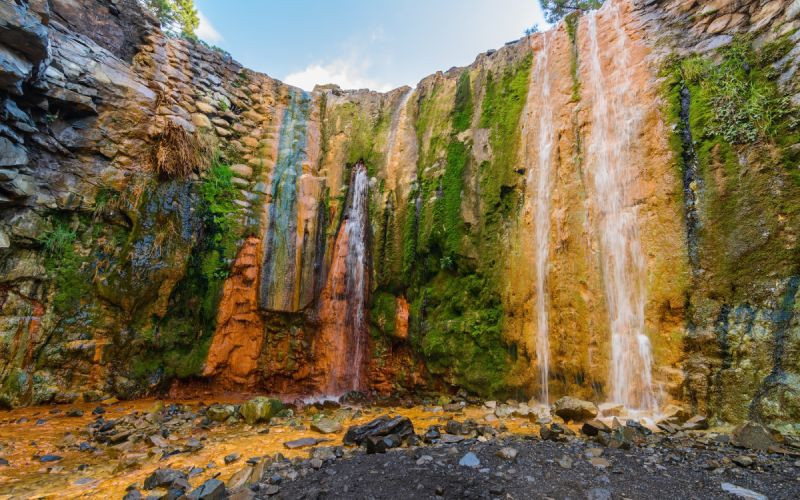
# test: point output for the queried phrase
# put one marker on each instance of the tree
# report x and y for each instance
(555, 10)
(175, 16)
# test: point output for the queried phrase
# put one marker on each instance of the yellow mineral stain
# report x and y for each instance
(109, 471)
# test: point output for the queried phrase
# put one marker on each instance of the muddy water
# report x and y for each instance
(108, 472)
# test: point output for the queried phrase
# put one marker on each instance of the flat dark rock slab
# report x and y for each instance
(303, 443)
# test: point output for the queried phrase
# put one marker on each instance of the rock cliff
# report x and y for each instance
(170, 218)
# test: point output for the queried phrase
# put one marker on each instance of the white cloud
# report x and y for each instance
(205, 31)
(348, 74)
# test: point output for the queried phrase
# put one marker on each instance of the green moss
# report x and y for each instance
(502, 107)
(383, 313)
(461, 333)
(448, 206)
(410, 232)
(64, 265)
(462, 109)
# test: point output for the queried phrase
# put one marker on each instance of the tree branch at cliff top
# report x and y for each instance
(555, 10)
(175, 15)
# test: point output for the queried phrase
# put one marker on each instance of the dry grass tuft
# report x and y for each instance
(177, 153)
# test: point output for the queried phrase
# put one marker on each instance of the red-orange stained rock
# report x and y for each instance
(233, 356)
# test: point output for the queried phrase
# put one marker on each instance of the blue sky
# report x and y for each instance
(378, 44)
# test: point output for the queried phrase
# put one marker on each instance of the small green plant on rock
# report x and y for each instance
(63, 265)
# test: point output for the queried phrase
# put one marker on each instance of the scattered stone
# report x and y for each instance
(470, 460)
(696, 423)
(555, 432)
(382, 426)
(3, 462)
(240, 478)
(74, 413)
(193, 445)
(132, 495)
(753, 436)
(565, 462)
(162, 478)
(594, 427)
(260, 409)
(676, 414)
(507, 453)
(573, 409)
(326, 426)
(740, 492)
(379, 444)
(742, 460)
(213, 489)
(273, 490)
(219, 413)
(303, 443)
(451, 439)
(233, 457)
(49, 458)
(600, 462)
(432, 434)
(424, 459)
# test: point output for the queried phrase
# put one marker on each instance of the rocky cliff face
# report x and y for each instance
(171, 218)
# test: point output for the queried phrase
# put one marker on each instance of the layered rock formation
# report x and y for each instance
(625, 183)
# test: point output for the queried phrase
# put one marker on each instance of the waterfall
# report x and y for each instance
(280, 248)
(616, 122)
(399, 117)
(540, 100)
(346, 325)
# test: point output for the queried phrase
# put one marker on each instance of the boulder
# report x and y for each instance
(696, 423)
(753, 436)
(555, 432)
(326, 426)
(213, 489)
(219, 413)
(162, 478)
(260, 409)
(675, 414)
(573, 409)
(382, 426)
(594, 427)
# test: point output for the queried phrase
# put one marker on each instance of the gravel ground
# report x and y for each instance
(680, 468)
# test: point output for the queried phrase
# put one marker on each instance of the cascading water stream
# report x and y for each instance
(540, 99)
(399, 116)
(280, 248)
(349, 288)
(616, 121)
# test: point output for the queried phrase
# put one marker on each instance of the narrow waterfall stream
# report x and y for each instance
(344, 311)
(280, 248)
(398, 118)
(539, 175)
(616, 121)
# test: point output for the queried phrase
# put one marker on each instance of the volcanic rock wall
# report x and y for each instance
(117, 276)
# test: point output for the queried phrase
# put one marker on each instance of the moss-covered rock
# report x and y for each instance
(260, 409)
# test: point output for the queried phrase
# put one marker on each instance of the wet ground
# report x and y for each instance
(55, 452)
(29, 435)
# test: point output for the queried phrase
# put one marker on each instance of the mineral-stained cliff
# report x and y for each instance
(169, 217)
